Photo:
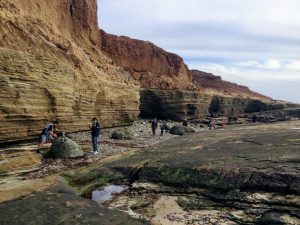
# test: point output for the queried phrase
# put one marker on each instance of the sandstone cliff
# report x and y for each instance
(154, 68)
(169, 89)
(51, 66)
(208, 82)
(179, 105)
(150, 65)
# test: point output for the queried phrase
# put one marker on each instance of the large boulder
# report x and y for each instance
(166, 126)
(65, 148)
(178, 130)
(190, 130)
(122, 135)
(181, 130)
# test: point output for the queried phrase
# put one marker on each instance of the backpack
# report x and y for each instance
(46, 128)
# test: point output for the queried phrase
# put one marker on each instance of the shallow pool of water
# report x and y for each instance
(105, 194)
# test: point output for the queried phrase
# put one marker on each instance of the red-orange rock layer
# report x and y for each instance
(150, 65)
(209, 81)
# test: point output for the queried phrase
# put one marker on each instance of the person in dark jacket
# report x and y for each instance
(254, 119)
(162, 129)
(185, 123)
(154, 126)
(95, 132)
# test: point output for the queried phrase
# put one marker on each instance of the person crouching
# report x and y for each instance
(47, 134)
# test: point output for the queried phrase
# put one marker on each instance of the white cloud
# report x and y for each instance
(294, 65)
(254, 64)
(271, 64)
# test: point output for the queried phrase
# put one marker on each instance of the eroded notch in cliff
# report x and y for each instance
(71, 10)
(79, 12)
(192, 110)
(52, 101)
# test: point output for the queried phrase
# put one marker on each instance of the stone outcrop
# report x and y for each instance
(170, 89)
(249, 173)
(174, 104)
(180, 105)
(209, 82)
(56, 63)
(51, 67)
(72, 19)
(155, 68)
(61, 207)
(150, 65)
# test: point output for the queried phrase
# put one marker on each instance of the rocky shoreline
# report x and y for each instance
(239, 174)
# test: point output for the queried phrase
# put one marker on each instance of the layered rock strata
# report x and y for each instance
(209, 82)
(155, 68)
(150, 65)
(51, 67)
(180, 105)
(170, 89)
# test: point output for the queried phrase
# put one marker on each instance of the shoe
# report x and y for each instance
(96, 152)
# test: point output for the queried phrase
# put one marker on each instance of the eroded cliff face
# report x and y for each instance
(209, 82)
(179, 105)
(72, 19)
(51, 67)
(170, 89)
(150, 65)
(154, 68)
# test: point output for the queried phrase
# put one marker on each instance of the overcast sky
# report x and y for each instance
(254, 43)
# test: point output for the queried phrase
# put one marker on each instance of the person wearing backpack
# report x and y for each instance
(95, 132)
(47, 134)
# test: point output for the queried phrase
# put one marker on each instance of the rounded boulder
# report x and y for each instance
(177, 130)
(65, 148)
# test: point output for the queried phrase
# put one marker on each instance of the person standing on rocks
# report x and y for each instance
(254, 119)
(162, 129)
(47, 134)
(154, 126)
(95, 131)
(185, 123)
(212, 124)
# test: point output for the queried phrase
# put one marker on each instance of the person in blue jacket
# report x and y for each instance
(95, 131)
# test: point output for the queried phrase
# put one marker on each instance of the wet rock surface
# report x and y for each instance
(243, 174)
(50, 207)
(238, 175)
